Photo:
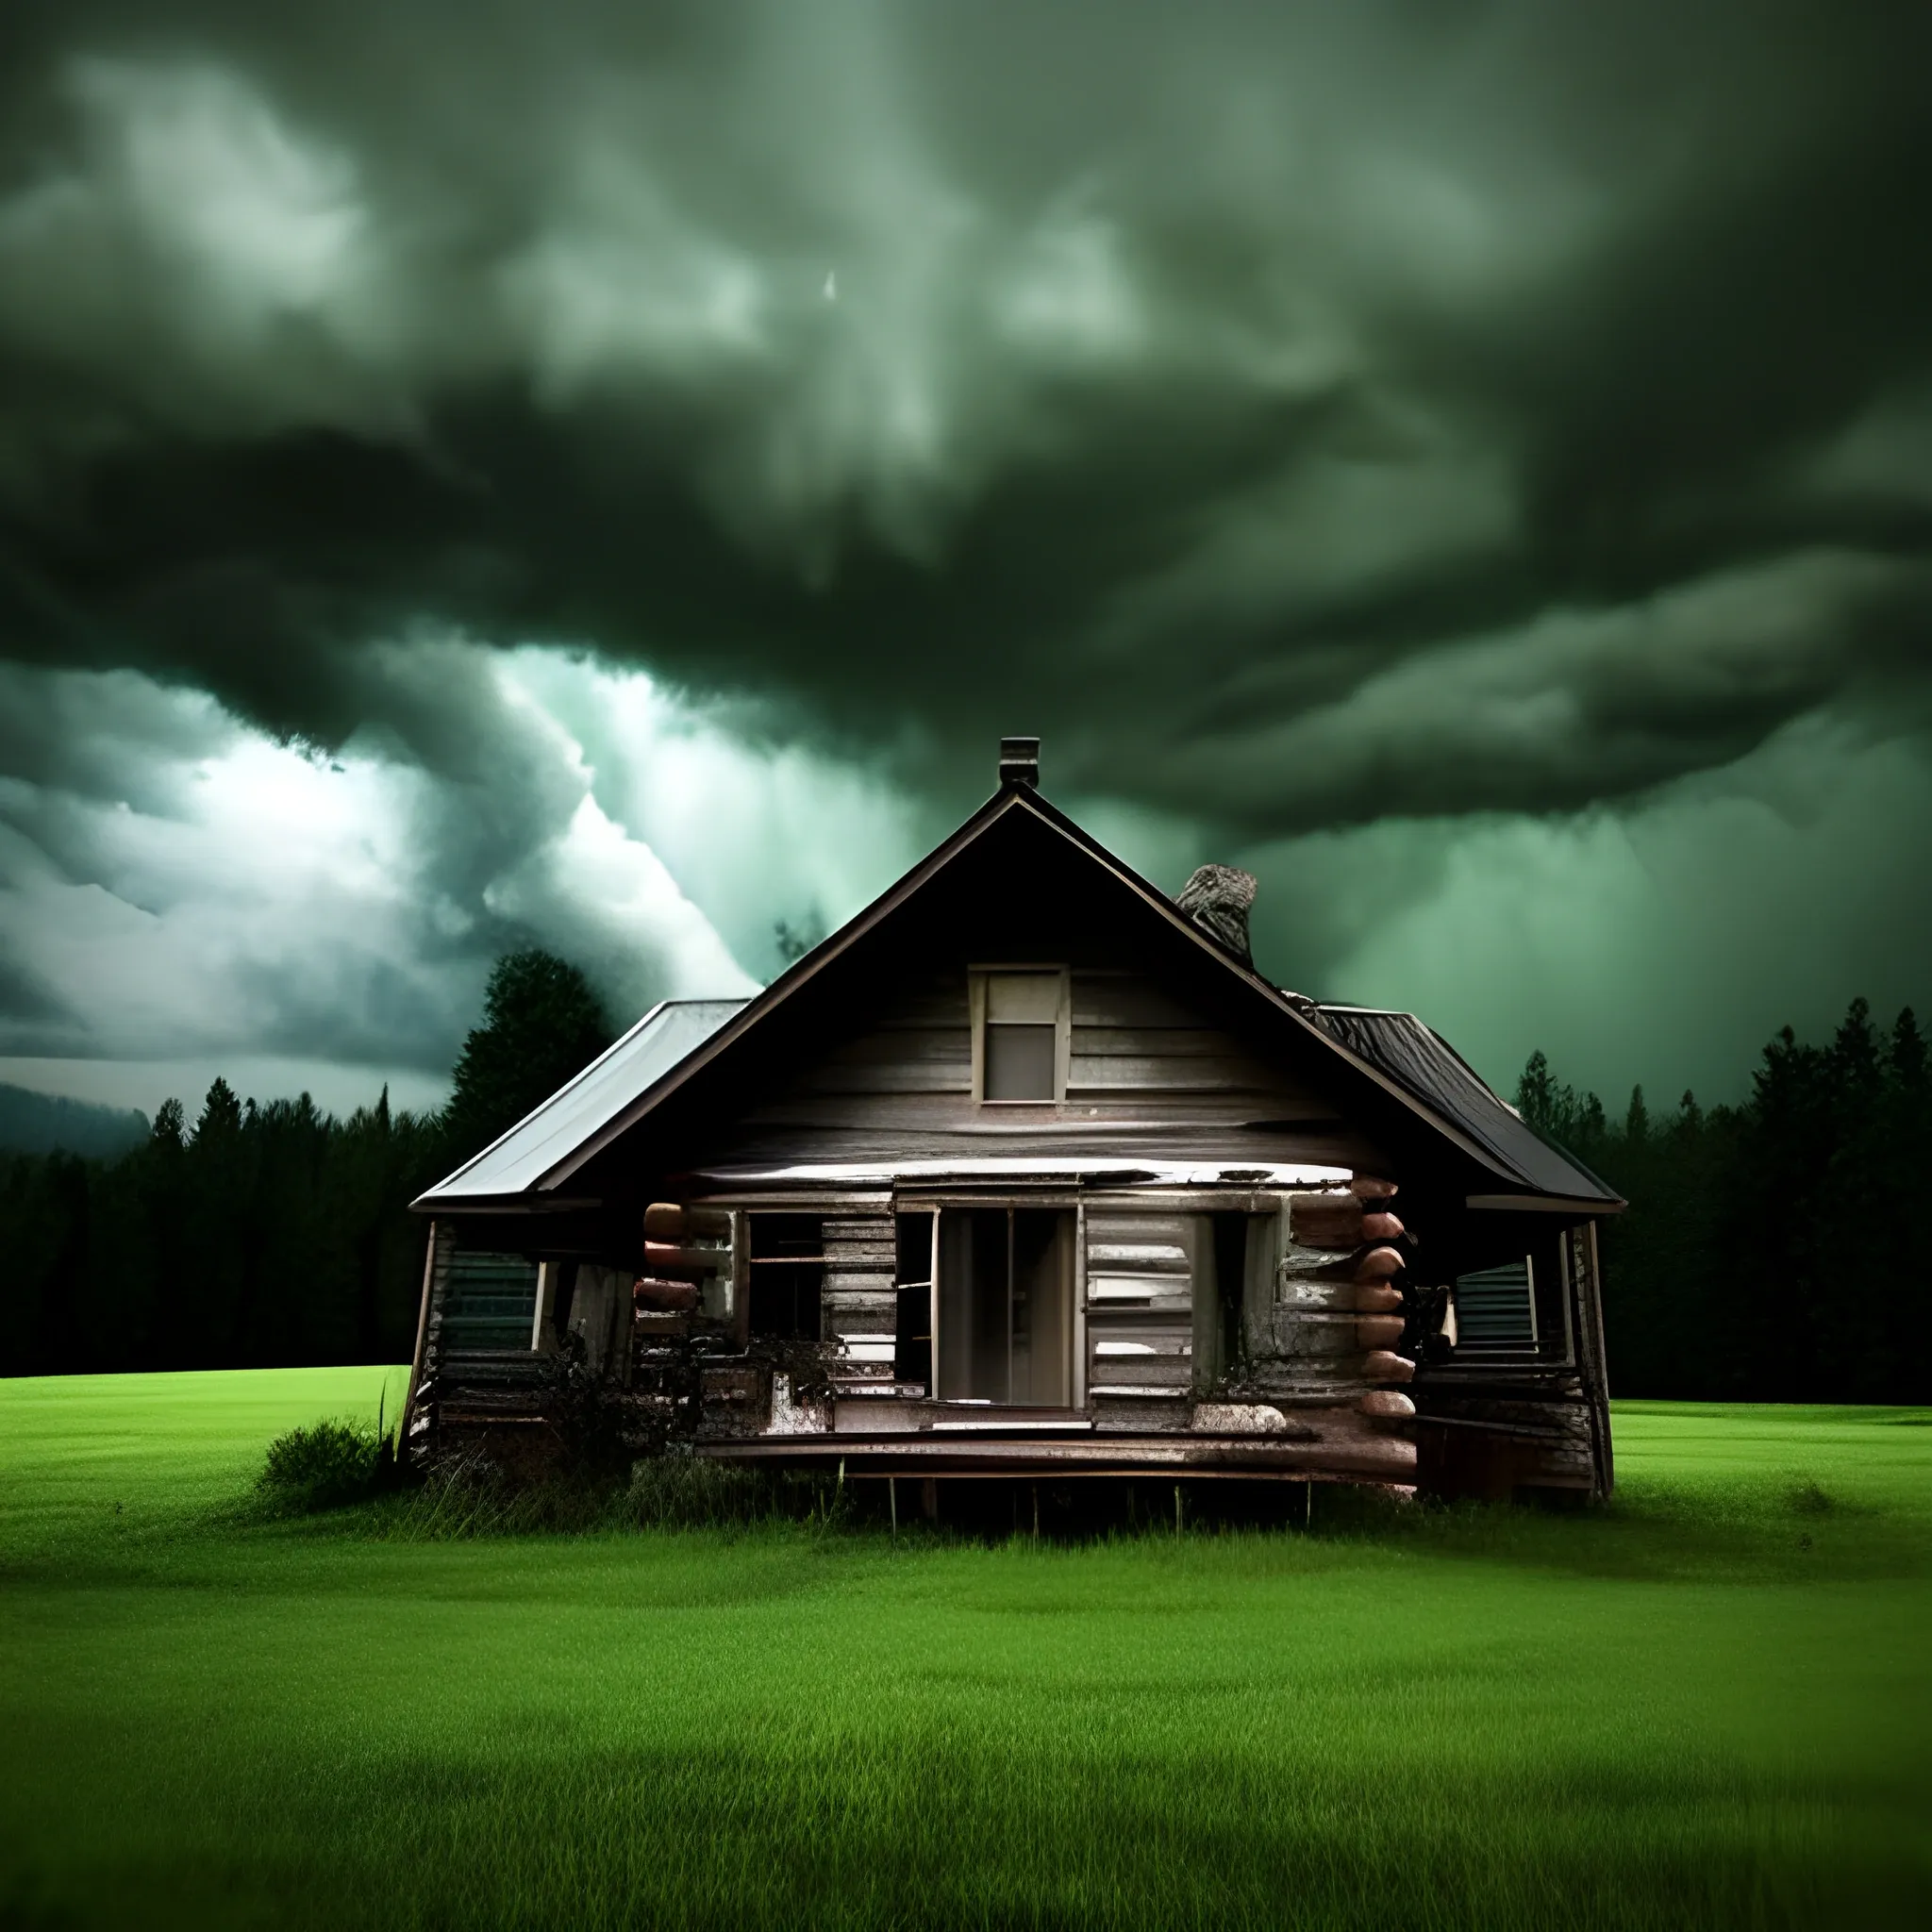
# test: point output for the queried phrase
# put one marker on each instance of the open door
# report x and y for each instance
(1005, 1332)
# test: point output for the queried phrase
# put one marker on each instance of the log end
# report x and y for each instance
(1383, 1365)
(1379, 1264)
(1386, 1405)
(665, 1297)
(1325, 1221)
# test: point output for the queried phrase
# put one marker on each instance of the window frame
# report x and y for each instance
(978, 979)
(1071, 1232)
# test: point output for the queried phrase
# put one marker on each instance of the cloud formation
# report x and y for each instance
(1358, 425)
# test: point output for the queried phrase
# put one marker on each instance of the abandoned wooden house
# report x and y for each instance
(1028, 1171)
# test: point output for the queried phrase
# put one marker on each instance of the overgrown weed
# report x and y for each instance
(1762, 1527)
(471, 1496)
(326, 1465)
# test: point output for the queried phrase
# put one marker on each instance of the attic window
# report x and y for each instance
(1020, 1029)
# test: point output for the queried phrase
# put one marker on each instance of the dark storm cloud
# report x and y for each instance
(1298, 415)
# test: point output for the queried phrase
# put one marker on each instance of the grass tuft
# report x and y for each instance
(324, 1465)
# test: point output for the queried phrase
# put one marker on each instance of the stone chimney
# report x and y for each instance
(1217, 899)
(1020, 762)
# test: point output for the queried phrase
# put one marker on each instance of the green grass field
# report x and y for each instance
(1709, 1705)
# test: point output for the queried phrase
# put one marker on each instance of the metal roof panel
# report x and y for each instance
(1419, 1058)
(517, 1161)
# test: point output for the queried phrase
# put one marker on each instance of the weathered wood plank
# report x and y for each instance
(941, 1002)
(1126, 1000)
(911, 1077)
(1018, 1133)
(1142, 1258)
(901, 1113)
(1158, 1043)
(1142, 1372)
(1185, 1073)
(902, 1045)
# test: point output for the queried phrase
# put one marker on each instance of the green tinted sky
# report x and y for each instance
(609, 475)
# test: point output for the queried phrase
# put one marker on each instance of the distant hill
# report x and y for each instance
(34, 1122)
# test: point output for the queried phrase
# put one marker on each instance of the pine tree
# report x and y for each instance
(541, 1025)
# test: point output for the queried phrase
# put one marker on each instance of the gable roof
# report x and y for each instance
(664, 1055)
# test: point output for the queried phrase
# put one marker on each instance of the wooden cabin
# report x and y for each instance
(1027, 1171)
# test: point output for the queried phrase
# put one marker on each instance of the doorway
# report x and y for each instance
(1005, 1295)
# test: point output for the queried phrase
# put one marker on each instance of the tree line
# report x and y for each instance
(1767, 1253)
(269, 1235)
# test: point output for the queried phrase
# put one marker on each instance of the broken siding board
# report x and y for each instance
(1139, 1259)
(1171, 1235)
(840, 1316)
(1140, 1299)
(1159, 1291)
(1111, 1342)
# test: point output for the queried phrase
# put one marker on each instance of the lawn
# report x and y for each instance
(1708, 1705)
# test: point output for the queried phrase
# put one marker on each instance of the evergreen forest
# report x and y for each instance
(273, 1235)
(1765, 1255)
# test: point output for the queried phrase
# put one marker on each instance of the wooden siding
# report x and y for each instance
(857, 1306)
(1144, 1076)
(1139, 1302)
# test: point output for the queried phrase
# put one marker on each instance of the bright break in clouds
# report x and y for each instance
(607, 476)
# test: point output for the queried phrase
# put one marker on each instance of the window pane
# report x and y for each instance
(1021, 999)
(1019, 1063)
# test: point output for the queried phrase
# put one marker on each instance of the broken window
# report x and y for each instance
(788, 1274)
(1007, 1306)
